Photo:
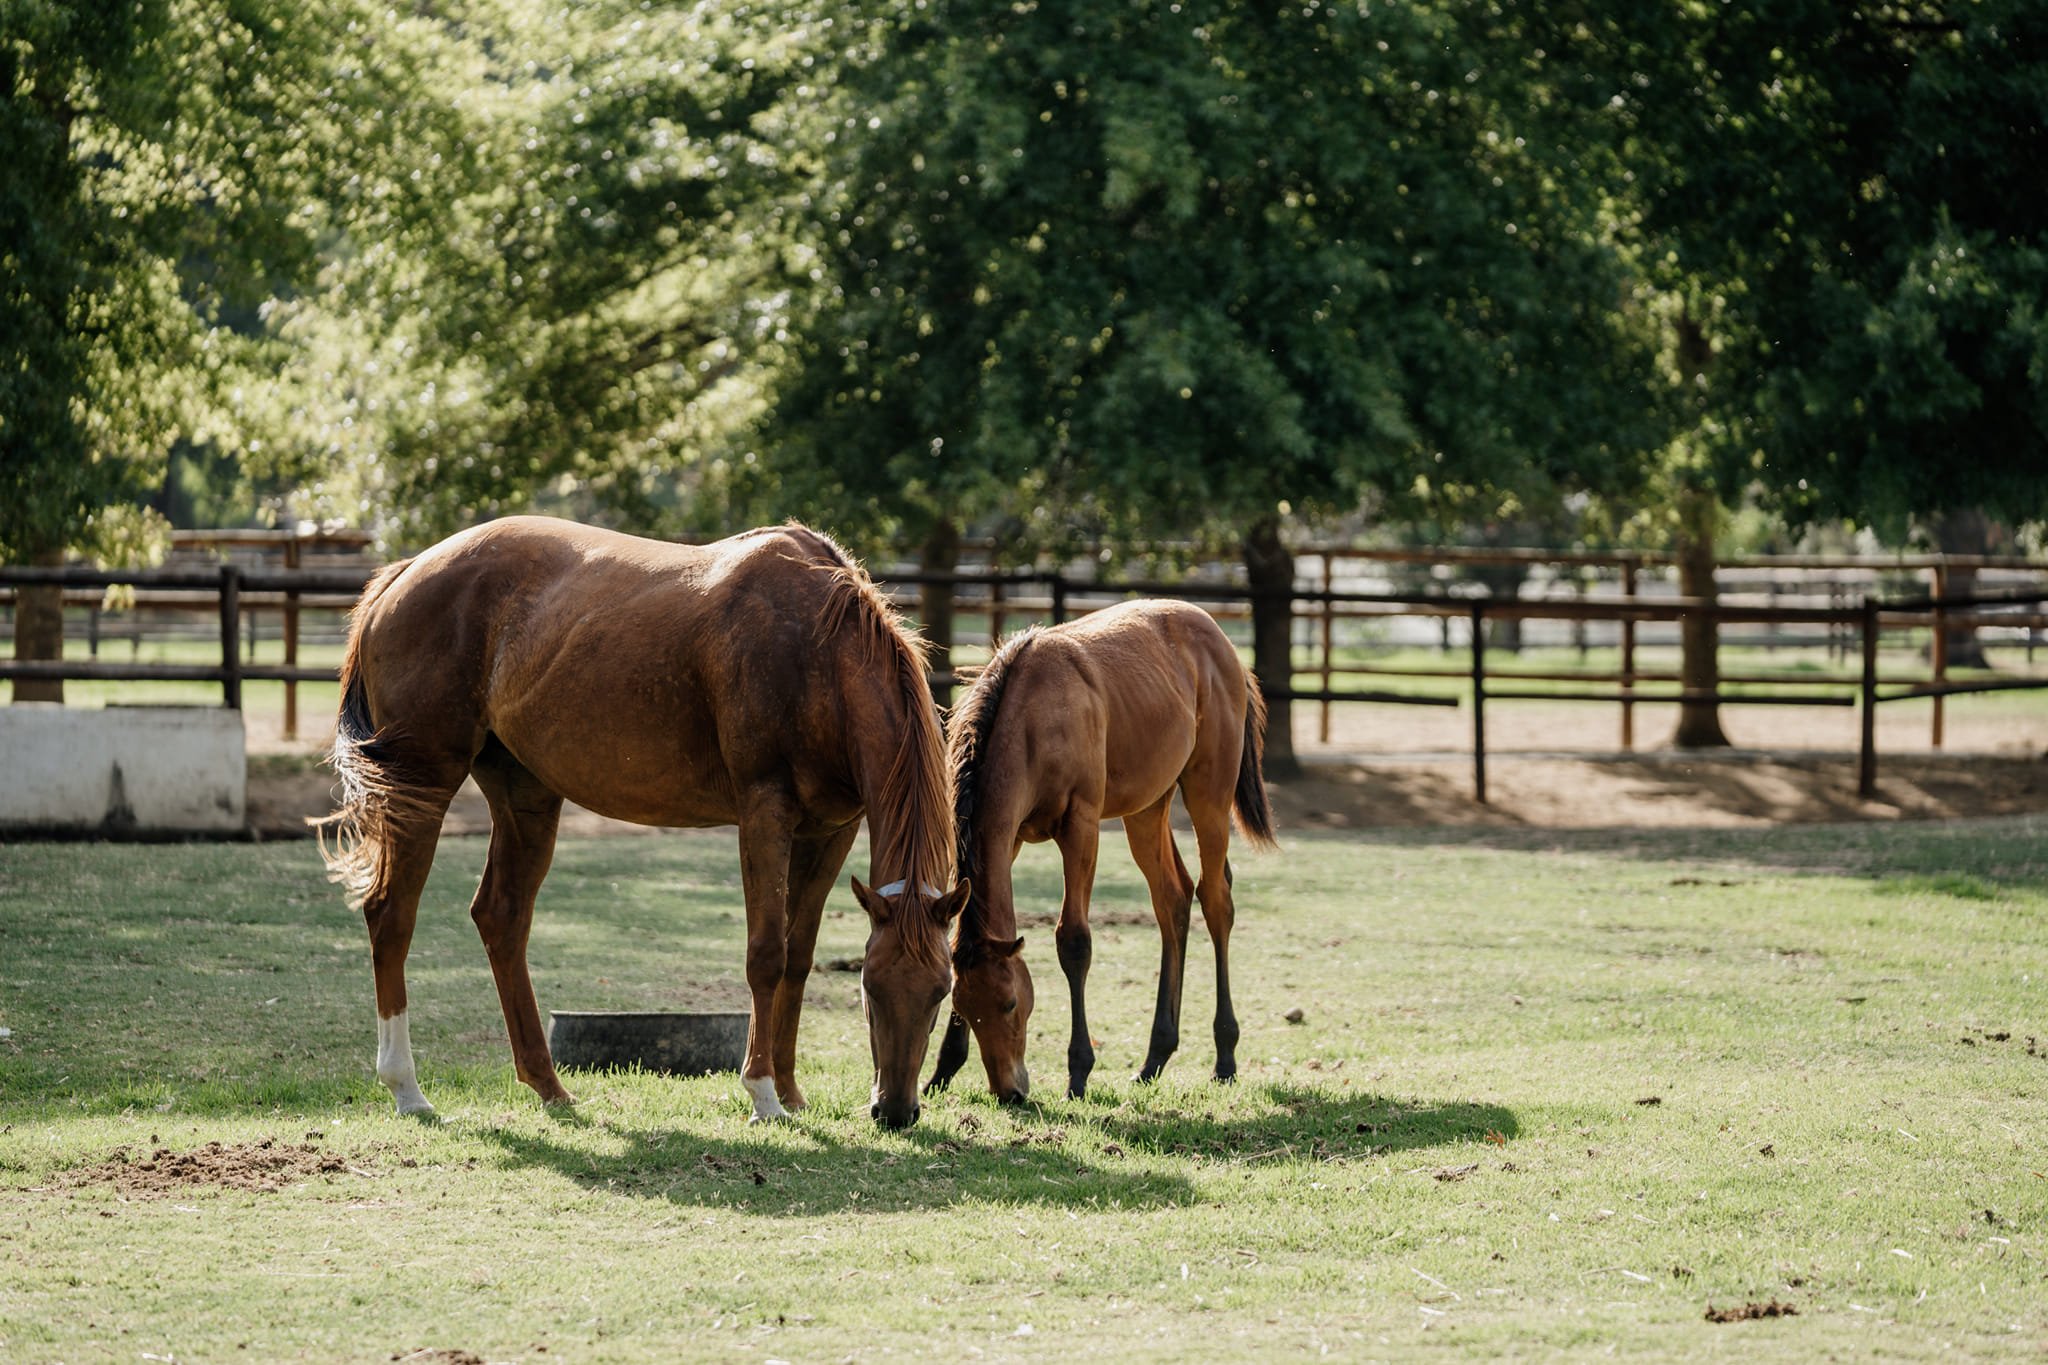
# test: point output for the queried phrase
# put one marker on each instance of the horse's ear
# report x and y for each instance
(1010, 949)
(877, 908)
(946, 907)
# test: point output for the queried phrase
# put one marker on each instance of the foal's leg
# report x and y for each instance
(765, 821)
(1219, 912)
(952, 1055)
(405, 856)
(813, 867)
(524, 815)
(1151, 836)
(1077, 839)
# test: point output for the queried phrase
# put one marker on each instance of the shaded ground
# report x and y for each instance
(1662, 789)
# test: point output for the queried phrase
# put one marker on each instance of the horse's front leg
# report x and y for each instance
(813, 868)
(1077, 839)
(764, 873)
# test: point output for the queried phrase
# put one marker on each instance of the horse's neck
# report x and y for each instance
(992, 910)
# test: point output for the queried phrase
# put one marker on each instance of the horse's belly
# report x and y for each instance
(638, 772)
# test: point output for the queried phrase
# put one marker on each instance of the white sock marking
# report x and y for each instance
(394, 1065)
(767, 1106)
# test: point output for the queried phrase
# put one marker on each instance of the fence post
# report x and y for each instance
(291, 641)
(995, 614)
(1866, 763)
(1628, 660)
(1479, 700)
(1329, 611)
(1059, 598)
(230, 636)
(1938, 651)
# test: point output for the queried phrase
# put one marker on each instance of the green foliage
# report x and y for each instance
(1853, 198)
(1146, 270)
(153, 150)
(547, 289)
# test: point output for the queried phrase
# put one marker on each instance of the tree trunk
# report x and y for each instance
(1965, 532)
(940, 554)
(1699, 667)
(39, 630)
(1269, 569)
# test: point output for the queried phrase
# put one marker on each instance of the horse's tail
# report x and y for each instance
(1254, 811)
(374, 791)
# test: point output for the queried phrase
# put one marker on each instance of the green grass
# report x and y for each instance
(1552, 1094)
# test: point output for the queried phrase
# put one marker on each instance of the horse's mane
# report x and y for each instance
(917, 843)
(973, 721)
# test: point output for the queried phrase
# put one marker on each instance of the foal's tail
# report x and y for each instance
(1254, 812)
(374, 793)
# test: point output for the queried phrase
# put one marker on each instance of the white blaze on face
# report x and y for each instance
(767, 1105)
(394, 1065)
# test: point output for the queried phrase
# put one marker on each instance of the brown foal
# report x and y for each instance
(1067, 727)
(761, 681)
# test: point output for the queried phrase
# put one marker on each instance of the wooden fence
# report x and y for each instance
(232, 591)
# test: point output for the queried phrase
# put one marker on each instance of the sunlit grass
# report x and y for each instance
(1549, 1093)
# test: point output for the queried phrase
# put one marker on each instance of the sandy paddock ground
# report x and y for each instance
(1550, 765)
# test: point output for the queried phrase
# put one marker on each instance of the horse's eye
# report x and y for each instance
(1009, 1007)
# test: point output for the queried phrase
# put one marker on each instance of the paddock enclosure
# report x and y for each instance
(1550, 1092)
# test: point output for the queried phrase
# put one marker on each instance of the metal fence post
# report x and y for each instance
(230, 636)
(1479, 701)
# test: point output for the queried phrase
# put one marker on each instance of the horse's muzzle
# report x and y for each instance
(895, 1117)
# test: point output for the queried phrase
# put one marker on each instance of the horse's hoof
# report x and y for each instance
(784, 1117)
(565, 1100)
(936, 1084)
(1226, 1077)
(421, 1113)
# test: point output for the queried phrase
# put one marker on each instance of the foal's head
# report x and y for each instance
(992, 992)
(904, 978)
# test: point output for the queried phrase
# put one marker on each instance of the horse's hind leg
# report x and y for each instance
(1219, 912)
(405, 840)
(813, 867)
(1078, 838)
(524, 815)
(1173, 891)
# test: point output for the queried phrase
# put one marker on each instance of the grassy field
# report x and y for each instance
(1550, 1094)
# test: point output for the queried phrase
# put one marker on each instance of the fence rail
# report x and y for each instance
(231, 591)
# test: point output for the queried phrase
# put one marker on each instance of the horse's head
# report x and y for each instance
(992, 992)
(904, 977)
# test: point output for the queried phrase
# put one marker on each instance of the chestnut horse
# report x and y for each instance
(761, 681)
(1069, 726)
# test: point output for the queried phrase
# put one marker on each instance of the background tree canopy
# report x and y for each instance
(1086, 274)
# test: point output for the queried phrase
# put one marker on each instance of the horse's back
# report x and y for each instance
(1128, 697)
(618, 670)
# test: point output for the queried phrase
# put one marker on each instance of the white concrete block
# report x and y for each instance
(122, 769)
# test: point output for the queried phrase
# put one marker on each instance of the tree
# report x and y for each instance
(1857, 189)
(1197, 271)
(570, 317)
(158, 154)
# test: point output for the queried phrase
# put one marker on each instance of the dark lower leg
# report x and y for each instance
(952, 1055)
(1076, 947)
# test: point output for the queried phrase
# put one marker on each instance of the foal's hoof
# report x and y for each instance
(421, 1112)
(565, 1100)
(783, 1117)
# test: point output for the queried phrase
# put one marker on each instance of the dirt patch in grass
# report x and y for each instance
(1770, 1308)
(266, 1166)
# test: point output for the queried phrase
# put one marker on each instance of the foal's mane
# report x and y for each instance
(973, 721)
(916, 841)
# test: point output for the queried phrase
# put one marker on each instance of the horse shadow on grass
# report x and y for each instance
(1097, 1153)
